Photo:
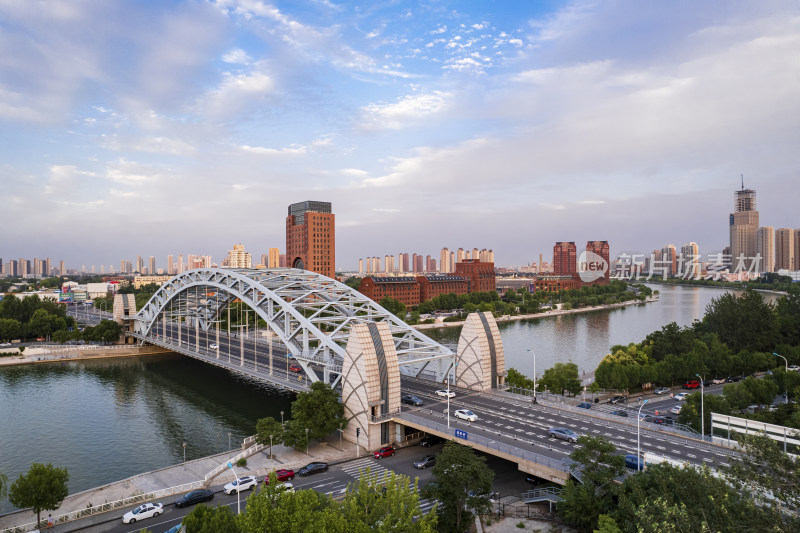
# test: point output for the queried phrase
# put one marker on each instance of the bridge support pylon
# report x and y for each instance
(370, 385)
(480, 357)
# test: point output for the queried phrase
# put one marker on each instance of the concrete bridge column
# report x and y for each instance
(370, 385)
(480, 357)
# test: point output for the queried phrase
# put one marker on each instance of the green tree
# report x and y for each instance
(204, 519)
(320, 410)
(266, 427)
(606, 524)
(690, 410)
(44, 487)
(563, 376)
(391, 505)
(596, 463)
(463, 484)
(353, 282)
(40, 324)
(3, 485)
(746, 322)
(272, 510)
(394, 306)
(10, 329)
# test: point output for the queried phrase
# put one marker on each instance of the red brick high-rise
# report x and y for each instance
(311, 237)
(479, 274)
(565, 259)
(601, 249)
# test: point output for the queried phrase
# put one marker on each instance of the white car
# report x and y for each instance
(795, 368)
(717, 381)
(4, 344)
(286, 486)
(243, 483)
(466, 414)
(662, 390)
(445, 393)
(680, 396)
(676, 410)
(213, 347)
(146, 510)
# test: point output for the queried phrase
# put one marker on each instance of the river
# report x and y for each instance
(110, 419)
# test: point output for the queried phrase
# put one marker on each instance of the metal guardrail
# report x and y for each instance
(106, 507)
(247, 452)
(549, 493)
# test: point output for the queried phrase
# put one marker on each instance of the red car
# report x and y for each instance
(386, 451)
(295, 368)
(692, 384)
(283, 475)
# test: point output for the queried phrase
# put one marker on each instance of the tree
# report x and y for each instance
(563, 376)
(272, 510)
(690, 411)
(744, 323)
(390, 505)
(597, 464)
(10, 329)
(266, 428)
(204, 519)
(394, 306)
(606, 524)
(3, 485)
(43, 488)
(464, 483)
(320, 410)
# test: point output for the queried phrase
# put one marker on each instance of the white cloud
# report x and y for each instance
(408, 109)
(260, 150)
(235, 93)
(236, 56)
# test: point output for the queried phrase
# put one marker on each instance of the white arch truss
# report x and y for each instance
(310, 313)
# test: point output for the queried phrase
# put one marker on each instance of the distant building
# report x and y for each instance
(784, 249)
(669, 260)
(555, 283)
(274, 260)
(565, 259)
(311, 237)
(141, 281)
(743, 224)
(689, 264)
(406, 289)
(479, 275)
(444, 261)
(765, 246)
(238, 257)
(601, 249)
(432, 286)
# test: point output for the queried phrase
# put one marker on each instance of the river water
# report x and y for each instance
(111, 419)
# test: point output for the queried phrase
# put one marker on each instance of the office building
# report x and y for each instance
(311, 237)
(405, 289)
(601, 249)
(743, 228)
(151, 268)
(765, 247)
(479, 275)
(444, 261)
(669, 260)
(796, 250)
(689, 263)
(274, 260)
(388, 262)
(784, 249)
(170, 265)
(565, 259)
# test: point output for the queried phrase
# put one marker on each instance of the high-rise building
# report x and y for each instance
(460, 255)
(48, 268)
(404, 264)
(797, 250)
(238, 257)
(151, 268)
(388, 262)
(170, 265)
(311, 237)
(743, 228)
(62, 270)
(419, 264)
(139, 264)
(475, 254)
(784, 249)
(452, 262)
(689, 264)
(360, 266)
(669, 260)
(565, 259)
(765, 247)
(180, 264)
(444, 261)
(601, 249)
(274, 258)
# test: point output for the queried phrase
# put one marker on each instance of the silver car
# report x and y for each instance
(563, 434)
(662, 390)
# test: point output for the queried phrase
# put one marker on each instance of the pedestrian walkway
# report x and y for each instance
(172, 476)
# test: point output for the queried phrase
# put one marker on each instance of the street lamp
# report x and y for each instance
(281, 418)
(229, 441)
(306, 441)
(785, 386)
(341, 432)
(184, 455)
(238, 502)
(638, 444)
(702, 412)
(534, 373)
(270, 446)
(448, 394)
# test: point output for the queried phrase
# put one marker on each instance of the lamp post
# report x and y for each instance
(270, 446)
(281, 418)
(638, 444)
(184, 455)
(238, 502)
(448, 394)
(306, 441)
(229, 441)
(786, 392)
(702, 412)
(341, 432)
(534, 373)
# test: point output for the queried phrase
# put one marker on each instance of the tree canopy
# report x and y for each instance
(44, 487)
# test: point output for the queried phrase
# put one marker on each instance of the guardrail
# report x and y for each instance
(106, 507)
(247, 452)
(544, 493)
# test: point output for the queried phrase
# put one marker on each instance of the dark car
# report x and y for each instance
(425, 461)
(634, 463)
(312, 468)
(585, 405)
(430, 440)
(664, 420)
(617, 399)
(195, 496)
(734, 379)
(646, 418)
(410, 399)
(620, 412)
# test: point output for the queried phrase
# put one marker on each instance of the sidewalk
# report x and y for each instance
(171, 476)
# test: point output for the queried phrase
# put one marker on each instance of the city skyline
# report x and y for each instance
(511, 126)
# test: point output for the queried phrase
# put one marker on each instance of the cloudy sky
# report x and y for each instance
(166, 127)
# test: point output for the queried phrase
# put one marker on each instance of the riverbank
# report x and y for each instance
(551, 312)
(733, 285)
(52, 354)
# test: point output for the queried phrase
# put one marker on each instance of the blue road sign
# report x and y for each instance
(461, 434)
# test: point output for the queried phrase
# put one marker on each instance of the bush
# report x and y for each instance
(241, 462)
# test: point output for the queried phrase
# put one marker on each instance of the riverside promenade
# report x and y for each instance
(188, 474)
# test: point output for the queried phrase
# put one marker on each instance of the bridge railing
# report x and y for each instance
(481, 437)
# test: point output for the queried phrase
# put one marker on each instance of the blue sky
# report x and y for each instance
(155, 128)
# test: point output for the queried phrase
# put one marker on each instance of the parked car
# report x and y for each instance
(213, 347)
(466, 414)
(664, 420)
(676, 410)
(680, 396)
(386, 451)
(430, 440)
(282, 474)
(176, 529)
(734, 379)
(410, 399)
(632, 462)
(193, 497)
(4, 344)
(585, 405)
(645, 417)
(717, 381)
(618, 399)
(312, 468)
(295, 368)
(662, 390)
(238, 485)
(563, 434)
(146, 510)
(286, 486)
(620, 412)
(794, 368)
(425, 461)
(445, 393)
(691, 384)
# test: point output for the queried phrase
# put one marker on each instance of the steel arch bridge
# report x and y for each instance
(310, 313)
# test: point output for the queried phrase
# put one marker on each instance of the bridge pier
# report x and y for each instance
(480, 358)
(370, 385)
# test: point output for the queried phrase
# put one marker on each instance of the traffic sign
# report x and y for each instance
(461, 434)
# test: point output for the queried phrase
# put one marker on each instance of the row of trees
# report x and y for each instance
(737, 336)
(463, 484)
(561, 378)
(32, 317)
(663, 498)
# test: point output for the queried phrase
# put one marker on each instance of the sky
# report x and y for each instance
(185, 127)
